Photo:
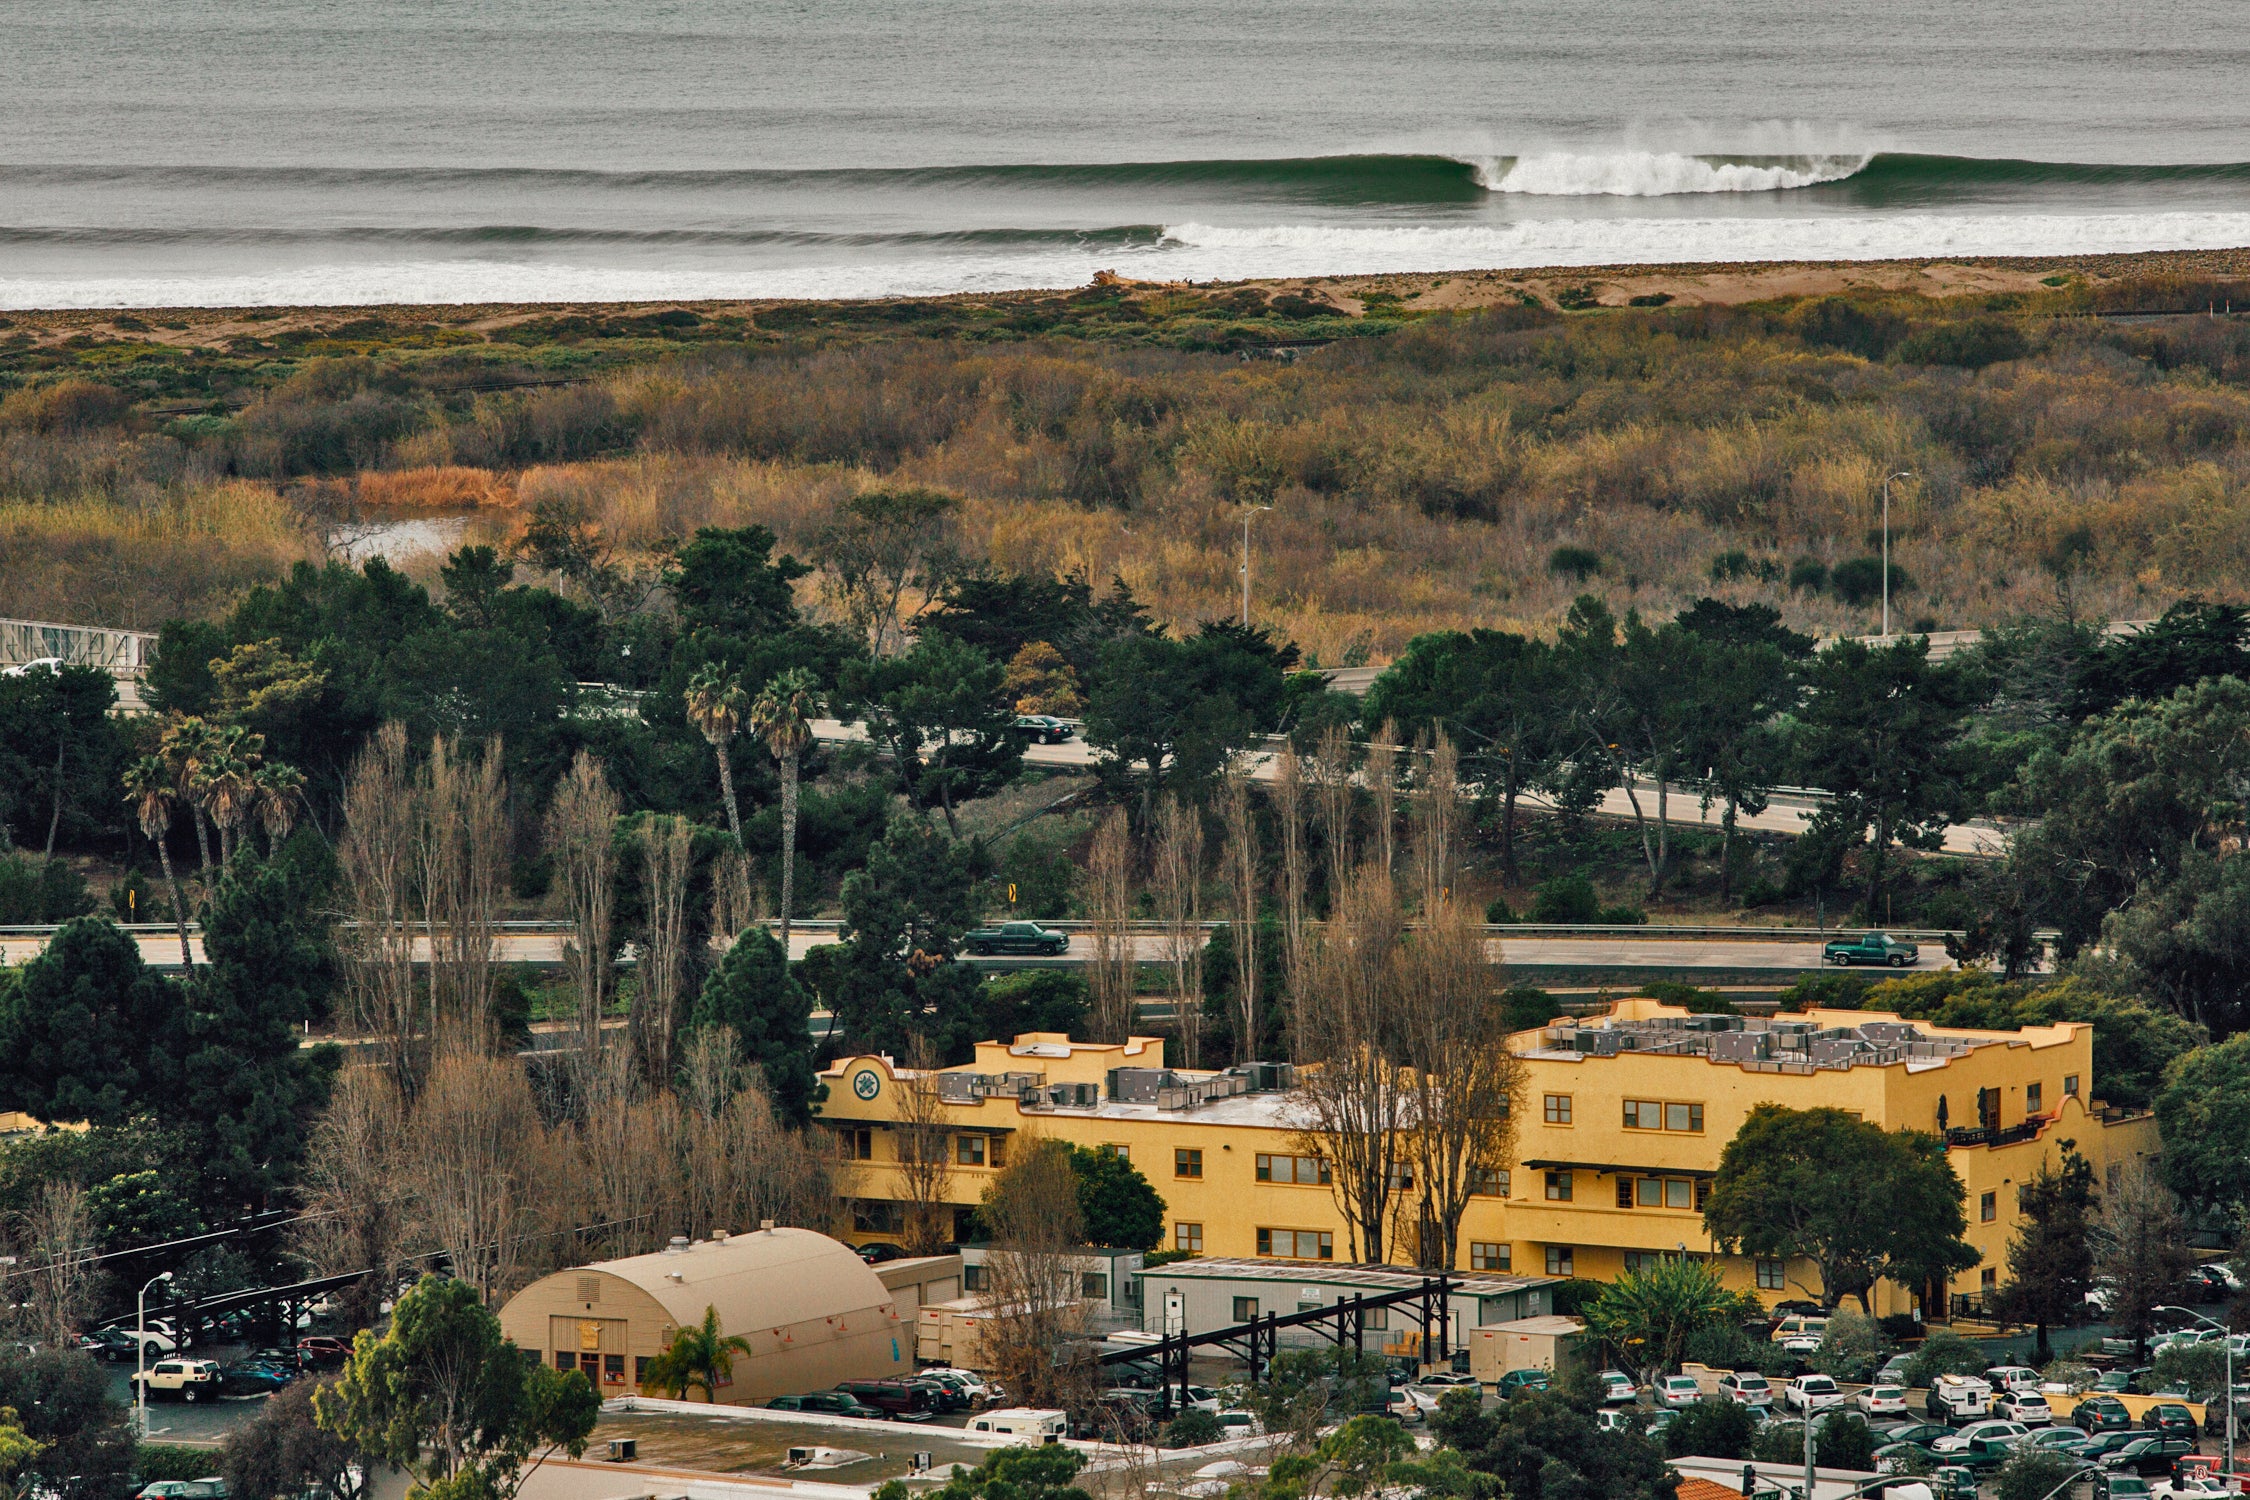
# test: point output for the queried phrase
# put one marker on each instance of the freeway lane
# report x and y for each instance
(1640, 949)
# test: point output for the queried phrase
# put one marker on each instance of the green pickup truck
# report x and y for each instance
(1016, 937)
(1878, 948)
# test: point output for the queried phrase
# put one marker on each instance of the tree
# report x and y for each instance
(890, 555)
(60, 753)
(1645, 1318)
(444, 1396)
(1629, 704)
(2193, 643)
(150, 791)
(715, 705)
(1116, 1204)
(247, 1091)
(1465, 1085)
(940, 712)
(89, 1032)
(1880, 730)
(2051, 1255)
(921, 1131)
(699, 1355)
(1031, 1211)
(1742, 670)
(729, 582)
(1542, 1447)
(753, 994)
(1357, 1101)
(580, 821)
(782, 717)
(285, 1451)
(1711, 1428)
(1864, 1204)
(62, 1402)
(1945, 1353)
(2035, 1474)
(2203, 1113)
(1178, 709)
(1042, 1473)
(2188, 939)
(2140, 1250)
(1850, 1347)
(1040, 681)
(903, 913)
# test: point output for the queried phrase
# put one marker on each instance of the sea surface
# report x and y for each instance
(234, 152)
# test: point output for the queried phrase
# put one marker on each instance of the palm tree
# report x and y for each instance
(280, 788)
(698, 1355)
(186, 749)
(230, 781)
(714, 705)
(149, 789)
(782, 717)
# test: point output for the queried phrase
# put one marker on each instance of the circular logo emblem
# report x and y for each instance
(867, 1083)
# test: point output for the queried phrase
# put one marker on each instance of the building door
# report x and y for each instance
(1175, 1311)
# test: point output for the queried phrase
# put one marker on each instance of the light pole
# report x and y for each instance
(1248, 514)
(2226, 1346)
(140, 1351)
(1887, 478)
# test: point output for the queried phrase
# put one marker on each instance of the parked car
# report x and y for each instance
(2147, 1453)
(1679, 1392)
(2109, 1486)
(1610, 1419)
(1518, 1380)
(251, 1377)
(2100, 1412)
(2012, 1378)
(1893, 1371)
(1987, 1441)
(1617, 1388)
(1811, 1393)
(1237, 1423)
(1799, 1307)
(1953, 1482)
(1799, 1333)
(321, 1350)
(53, 664)
(1920, 1433)
(899, 1398)
(1654, 1422)
(2068, 1441)
(211, 1487)
(1870, 948)
(2027, 1407)
(876, 1253)
(1881, 1401)
(2211, 1282)
(187, 1379)
(1044, 729)
(1016, 937)
(1442, 1380)
(1748, 1388)
(828, 1403)
(112, 1344)
(2167, 1416)
(2190, 1487)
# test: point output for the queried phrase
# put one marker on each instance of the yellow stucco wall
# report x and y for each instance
(1222, 1206)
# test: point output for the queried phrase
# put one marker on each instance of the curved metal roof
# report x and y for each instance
(771, 1278)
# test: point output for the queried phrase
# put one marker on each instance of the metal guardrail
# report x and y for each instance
(1649, 930)
(123, 652)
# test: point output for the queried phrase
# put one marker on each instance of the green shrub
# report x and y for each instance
(1566, 899)
(1860, 580)
(1192, 1429)
(2033, 1474)
(1808, 575)
(1844, 1441)
(1779, 1443)
(1711, 1429)
(1498, 912)
(155, 1461)
(1945, 1353)
(1687, 996)
(1524, 1006)
(1579, 563)
(1851, 1347)
(35, 890)
(1968, 345)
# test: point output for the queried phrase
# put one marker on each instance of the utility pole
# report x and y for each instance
(1887, 478)
(1248, 514)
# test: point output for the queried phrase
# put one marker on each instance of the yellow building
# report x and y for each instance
(1622, 1122)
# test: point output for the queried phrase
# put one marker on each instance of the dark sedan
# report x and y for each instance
(2101, 1414)
(2170, 1417)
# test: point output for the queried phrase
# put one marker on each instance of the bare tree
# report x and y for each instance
(666, 847)
(925, 1153)
(1332, 803)
(1241, 860)
(739, 1164)
(1437, 823)
(1355, 1097)
(477, 1163)
(354, 1219)
(1289, 811)
(1179, 894)
(377, 858)
(461, 856)
(1114, 969)
(2141, 1248)
(624, 1159)
(58, 1248)
(1464, 1085)
(578, 839)
(734, 900)
(1382, 783)
(1031, 1211)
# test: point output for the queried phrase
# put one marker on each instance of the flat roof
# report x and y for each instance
(1829, 1041)
(1324, 1273)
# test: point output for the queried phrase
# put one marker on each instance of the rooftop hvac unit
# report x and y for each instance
(1074, 1095)
(1138, 1085)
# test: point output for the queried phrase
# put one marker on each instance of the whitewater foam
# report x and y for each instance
(1658, 174)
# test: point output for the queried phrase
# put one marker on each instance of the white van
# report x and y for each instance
(1037, 1423)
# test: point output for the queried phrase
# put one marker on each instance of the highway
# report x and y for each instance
(1636, 949)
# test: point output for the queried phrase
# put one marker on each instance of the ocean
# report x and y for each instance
(240, 152)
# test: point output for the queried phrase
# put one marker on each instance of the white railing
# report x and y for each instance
(123, 653)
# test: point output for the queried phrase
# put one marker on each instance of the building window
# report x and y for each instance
(1186, 1163)
(1989, 1278)
(1683, 1117)
(1489, 1255)
(856, 1145)
(1093, 1284)
(997, 1156)
(1772, 1275)
(2034, 1095)
(876, 1216)
(1297, 1244)
(1624, 1192)
(972, 1278)
(1245, 1309)
(1702, 1193)
(1643, 1114)
(1641, 1262)
(565, 1360)
(1558, 1109)
(1490, 1182)
(2070, 1085)
(1188, 1238)
(1312, 1170)
(613, 1369)
(1402, 1179)
(1122, 1153)
(1652, 1192)
(1377, 1318)
(1560, 1261)
(1988, 1207)
(968, 1150)
(640, 1369)
(1558, 1187)
(1679, 1193)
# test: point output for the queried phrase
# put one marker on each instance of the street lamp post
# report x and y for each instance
(1248, 514)
(2226, 1347)
(1887, 478)
(140, 1351)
